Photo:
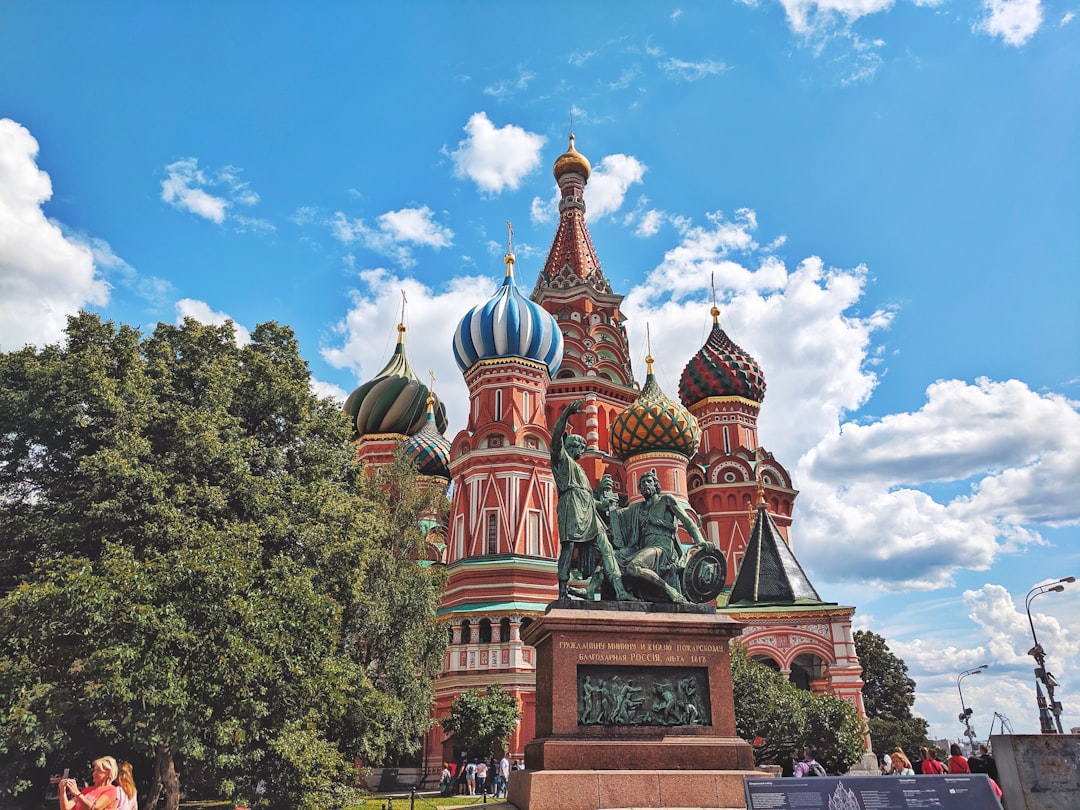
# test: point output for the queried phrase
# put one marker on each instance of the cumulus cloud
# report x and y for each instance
(495, 158)
(45, 275)
(649, 223)
(213, 195)
(1017, 451)
(394, 233)
(816, 16)
(1015, 21)
(200, 311)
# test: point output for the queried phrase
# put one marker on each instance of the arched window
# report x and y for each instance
(466, 632)
(498, 405)
(525, 623)
(485, 631)
(504, 630)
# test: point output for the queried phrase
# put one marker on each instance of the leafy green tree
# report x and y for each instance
(889, 695)
(481, 723)
(779, 718)
(197, 574)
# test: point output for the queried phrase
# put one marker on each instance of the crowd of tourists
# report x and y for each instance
(477, 777)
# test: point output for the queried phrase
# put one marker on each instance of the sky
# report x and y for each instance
(884, 194)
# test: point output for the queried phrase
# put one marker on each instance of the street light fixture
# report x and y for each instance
(1047, 706)
(965, 712)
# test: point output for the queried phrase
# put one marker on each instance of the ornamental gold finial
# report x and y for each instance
(431, 392)
(715, 311)
(401, 323)
(509, 258)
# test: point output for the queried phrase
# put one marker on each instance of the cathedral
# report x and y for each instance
(524, 359)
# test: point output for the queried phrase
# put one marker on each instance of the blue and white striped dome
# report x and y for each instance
(508, 325)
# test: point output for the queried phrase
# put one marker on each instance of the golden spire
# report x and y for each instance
(431, 392)
(648, 335)
(509, 258)
(401, 323)
(715, 311)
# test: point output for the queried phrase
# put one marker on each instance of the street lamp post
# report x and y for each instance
(965, 712)
(1047, 706)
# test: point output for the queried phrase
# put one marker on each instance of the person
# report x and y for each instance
(957, 761)
(901, 765)
(470, 776)
(481, 777)
(519, 766)
(445, 780)
(502, 781)
(579, 522)
(647, 537)
(808, 765)
(886, 765)
(125, 783)
(100, 795)
(986, 762)
(929, 765)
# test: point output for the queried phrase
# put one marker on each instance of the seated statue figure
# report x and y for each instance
(645, 536)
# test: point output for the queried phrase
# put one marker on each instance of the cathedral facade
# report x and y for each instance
(524, 359)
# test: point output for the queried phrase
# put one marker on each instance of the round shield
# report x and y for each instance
(704, 575)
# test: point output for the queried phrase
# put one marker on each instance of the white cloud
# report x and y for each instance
(395, 231)
(496, 158)
(609, 182)
(507, 87)
(325, 389)
(579, 58)
(693, 71)
(212, 195)
(416, 225)
(1067, 18)
(1015, 21)
(44, 275)
(1018, 451)
(200, 311)
(816, 16)
(649, 223)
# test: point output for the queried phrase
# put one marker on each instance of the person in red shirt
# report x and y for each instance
(101, 795)
(957, 762)
(929, 765)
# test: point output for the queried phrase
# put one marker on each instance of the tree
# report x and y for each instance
(197, 574)
(889, 695)
(779, 718)
(482, 723)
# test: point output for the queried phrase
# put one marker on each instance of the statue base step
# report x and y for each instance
(600, 790)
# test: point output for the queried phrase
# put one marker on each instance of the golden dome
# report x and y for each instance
(572, 161)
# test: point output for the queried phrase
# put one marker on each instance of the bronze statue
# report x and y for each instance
(580, 525)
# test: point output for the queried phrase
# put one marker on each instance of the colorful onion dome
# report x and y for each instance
(572, 161)
(721, 369)
(653, 422)
(508, 325)
(428, 447)
(394, 400)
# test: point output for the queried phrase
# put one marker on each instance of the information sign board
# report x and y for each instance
(944, 792)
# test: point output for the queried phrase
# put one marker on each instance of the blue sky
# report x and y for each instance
(884, 192)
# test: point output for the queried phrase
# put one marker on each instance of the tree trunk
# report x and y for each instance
(165, 779)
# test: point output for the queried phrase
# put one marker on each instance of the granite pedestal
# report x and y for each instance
(633, 709)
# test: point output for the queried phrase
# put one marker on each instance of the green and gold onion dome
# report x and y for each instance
(721, 369)
(571, 161)
(653, 422)
(394, 401)
(428, 447)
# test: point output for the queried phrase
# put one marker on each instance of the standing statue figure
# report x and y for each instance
(649, 548)
(580, 525)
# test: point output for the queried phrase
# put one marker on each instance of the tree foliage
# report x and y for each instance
(889, 695)
(195, 572)
(781, 718)
(481, 723)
